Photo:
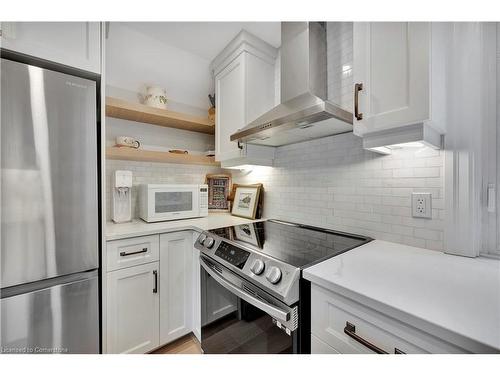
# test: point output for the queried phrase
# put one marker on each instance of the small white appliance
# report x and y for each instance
(160, 202)
(121, 202)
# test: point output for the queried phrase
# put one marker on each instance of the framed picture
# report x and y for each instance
(260, 205)
(246, 200)
(219, 188)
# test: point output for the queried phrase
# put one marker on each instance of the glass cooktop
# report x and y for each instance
(296, 244)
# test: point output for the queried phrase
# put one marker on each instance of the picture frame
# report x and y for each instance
(246, 200)
(219, 189)
(260, 206)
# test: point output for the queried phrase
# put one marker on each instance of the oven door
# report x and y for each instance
(170, 203)
(238, 317)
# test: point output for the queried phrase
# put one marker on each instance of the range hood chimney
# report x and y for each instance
(305, 112)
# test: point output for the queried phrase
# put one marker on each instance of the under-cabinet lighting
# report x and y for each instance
(407, 145)
(249, 166)
(381, 150)
(243, 166)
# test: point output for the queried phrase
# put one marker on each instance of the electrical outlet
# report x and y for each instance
(421, 205)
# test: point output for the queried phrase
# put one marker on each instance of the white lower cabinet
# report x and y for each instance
(347, 327)
(133, 309)
(152, 301)
(319, 347)
(176, 285)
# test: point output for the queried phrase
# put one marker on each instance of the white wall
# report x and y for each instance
(154, 137)
(134, 60)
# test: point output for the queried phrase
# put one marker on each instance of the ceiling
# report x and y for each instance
(206, 39)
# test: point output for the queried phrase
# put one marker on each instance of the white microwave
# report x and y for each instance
(160, 202)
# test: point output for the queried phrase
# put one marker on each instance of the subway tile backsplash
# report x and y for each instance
(334, 183)
(330, 182)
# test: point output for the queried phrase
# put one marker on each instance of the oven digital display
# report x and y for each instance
(232, 254)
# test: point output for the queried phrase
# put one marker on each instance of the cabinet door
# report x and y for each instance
(76, 44)
(259, 87)
(196, 291)
(319, 347)
(392, 61)
(176, 290)
(230, 104)
(133, 309)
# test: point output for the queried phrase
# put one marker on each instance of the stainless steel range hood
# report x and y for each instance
(304, 112)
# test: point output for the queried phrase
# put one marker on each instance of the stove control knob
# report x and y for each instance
(258, 267)
(274, 275)
(201, 239)
(209, 242)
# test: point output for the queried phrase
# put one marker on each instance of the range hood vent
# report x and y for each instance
(304, 112)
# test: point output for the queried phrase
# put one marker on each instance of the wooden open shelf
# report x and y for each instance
(126, 110)
(125, 153)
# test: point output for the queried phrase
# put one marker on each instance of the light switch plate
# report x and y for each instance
(421, 205)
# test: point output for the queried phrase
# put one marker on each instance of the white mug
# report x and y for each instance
(124, 141)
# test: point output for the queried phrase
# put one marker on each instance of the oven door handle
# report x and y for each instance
(263, 305)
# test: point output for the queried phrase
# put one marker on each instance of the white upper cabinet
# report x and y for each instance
(230, 104)
(245, 89)
(399, 76)
(76, 44)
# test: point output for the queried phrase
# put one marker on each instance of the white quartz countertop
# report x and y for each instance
(430, 290)
(141, 228)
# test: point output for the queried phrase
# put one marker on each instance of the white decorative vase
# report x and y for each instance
(156, 97)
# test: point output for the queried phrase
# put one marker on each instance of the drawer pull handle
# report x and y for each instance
(124, 254)
(350, 330)
(155, 274)
(357, 88)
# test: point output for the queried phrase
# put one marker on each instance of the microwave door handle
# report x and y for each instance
(266, 307)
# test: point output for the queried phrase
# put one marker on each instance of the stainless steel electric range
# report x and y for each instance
(253, 296)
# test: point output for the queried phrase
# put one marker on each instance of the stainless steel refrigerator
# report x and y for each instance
(49, 212)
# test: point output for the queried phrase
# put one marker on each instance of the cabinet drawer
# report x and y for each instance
(319, 347)
(367, 330)
(132, 251)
